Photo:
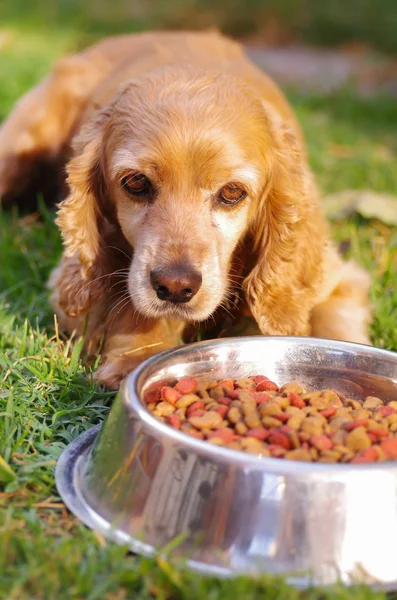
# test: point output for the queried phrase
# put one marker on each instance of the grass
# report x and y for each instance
(47, 396)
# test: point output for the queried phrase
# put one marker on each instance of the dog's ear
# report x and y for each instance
(81, 216)
(289, 236)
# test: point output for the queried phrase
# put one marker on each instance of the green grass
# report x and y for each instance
(47, 396)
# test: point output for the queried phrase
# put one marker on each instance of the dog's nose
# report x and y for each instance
(175, 283)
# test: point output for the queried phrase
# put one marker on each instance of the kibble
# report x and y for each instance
(255, 415)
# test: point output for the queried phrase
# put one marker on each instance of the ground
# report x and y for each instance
(47, 397)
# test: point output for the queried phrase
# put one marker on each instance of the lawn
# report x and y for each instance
(47, 397)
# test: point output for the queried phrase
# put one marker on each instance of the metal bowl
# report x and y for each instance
(224, 512)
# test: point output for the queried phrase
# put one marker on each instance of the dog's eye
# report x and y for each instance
(136, 183)
(231, 193)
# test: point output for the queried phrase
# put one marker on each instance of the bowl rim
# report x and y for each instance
(278, 466)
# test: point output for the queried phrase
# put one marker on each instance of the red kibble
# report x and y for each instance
(267, 386)
(261, 397)
(286, 429)
(276, 451)
(321, 442)
(385, 411)
(233, 394)
(222, 410)
(357, 423)
(224, 433)
(195, 406)
(296, 401)
(225, 401)
(151, 396)
(259, 379)
(366, 456)
(174, 421)
(226, 383)
(283, 417)
(197, 413)
(328, 412)
(260, 433)
(186, 385)
(280, 439)
(197, 434)
(389, 447)
(169, 394)
(372, 437)
(379, 433)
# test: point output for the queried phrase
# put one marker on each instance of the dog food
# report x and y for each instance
(254, 415)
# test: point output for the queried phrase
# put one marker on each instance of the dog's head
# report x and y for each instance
(189, 165)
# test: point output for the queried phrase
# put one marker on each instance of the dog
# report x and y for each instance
(188, 199)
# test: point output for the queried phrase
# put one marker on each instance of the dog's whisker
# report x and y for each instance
(120, 250)
(119, 271)
(124, 297)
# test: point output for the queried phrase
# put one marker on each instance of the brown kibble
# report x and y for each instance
(328, 456)
(360, 413)
(339, 422)
(313, 453)
(270, 422)
(293, 386)
(344, 411)
(252, 421)
(354, 404)
(234, 415)
(254, 446)
(371, 403)
(313, 425)
(332, 397)
(216, 393)
(241, 428)
(164, 409)
(269, 409)
(281, 401)
(216, 441)
(245, 384)
(210, 420)
(299, 454)
(186, 400)
(347, 456)
(358, 440)
(339, 437)
(318, 402)
(181, 413)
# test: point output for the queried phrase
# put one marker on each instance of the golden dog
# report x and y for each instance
(188, 190)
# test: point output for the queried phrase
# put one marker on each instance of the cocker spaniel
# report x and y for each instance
(189, 199)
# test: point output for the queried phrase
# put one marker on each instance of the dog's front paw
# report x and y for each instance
(113, 371)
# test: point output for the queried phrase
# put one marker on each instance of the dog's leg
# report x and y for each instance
(39, 127)
(345, 313)
(129, 340)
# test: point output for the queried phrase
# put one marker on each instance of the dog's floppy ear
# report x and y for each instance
(289, 236)
(81, 216)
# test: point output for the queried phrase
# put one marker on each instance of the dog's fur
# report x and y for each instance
(192, 113)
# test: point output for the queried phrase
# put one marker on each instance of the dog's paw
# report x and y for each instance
(113, 371)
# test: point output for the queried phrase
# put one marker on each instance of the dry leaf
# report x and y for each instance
(367, 203)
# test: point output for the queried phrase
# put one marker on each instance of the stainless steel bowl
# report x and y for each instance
(142, 483)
